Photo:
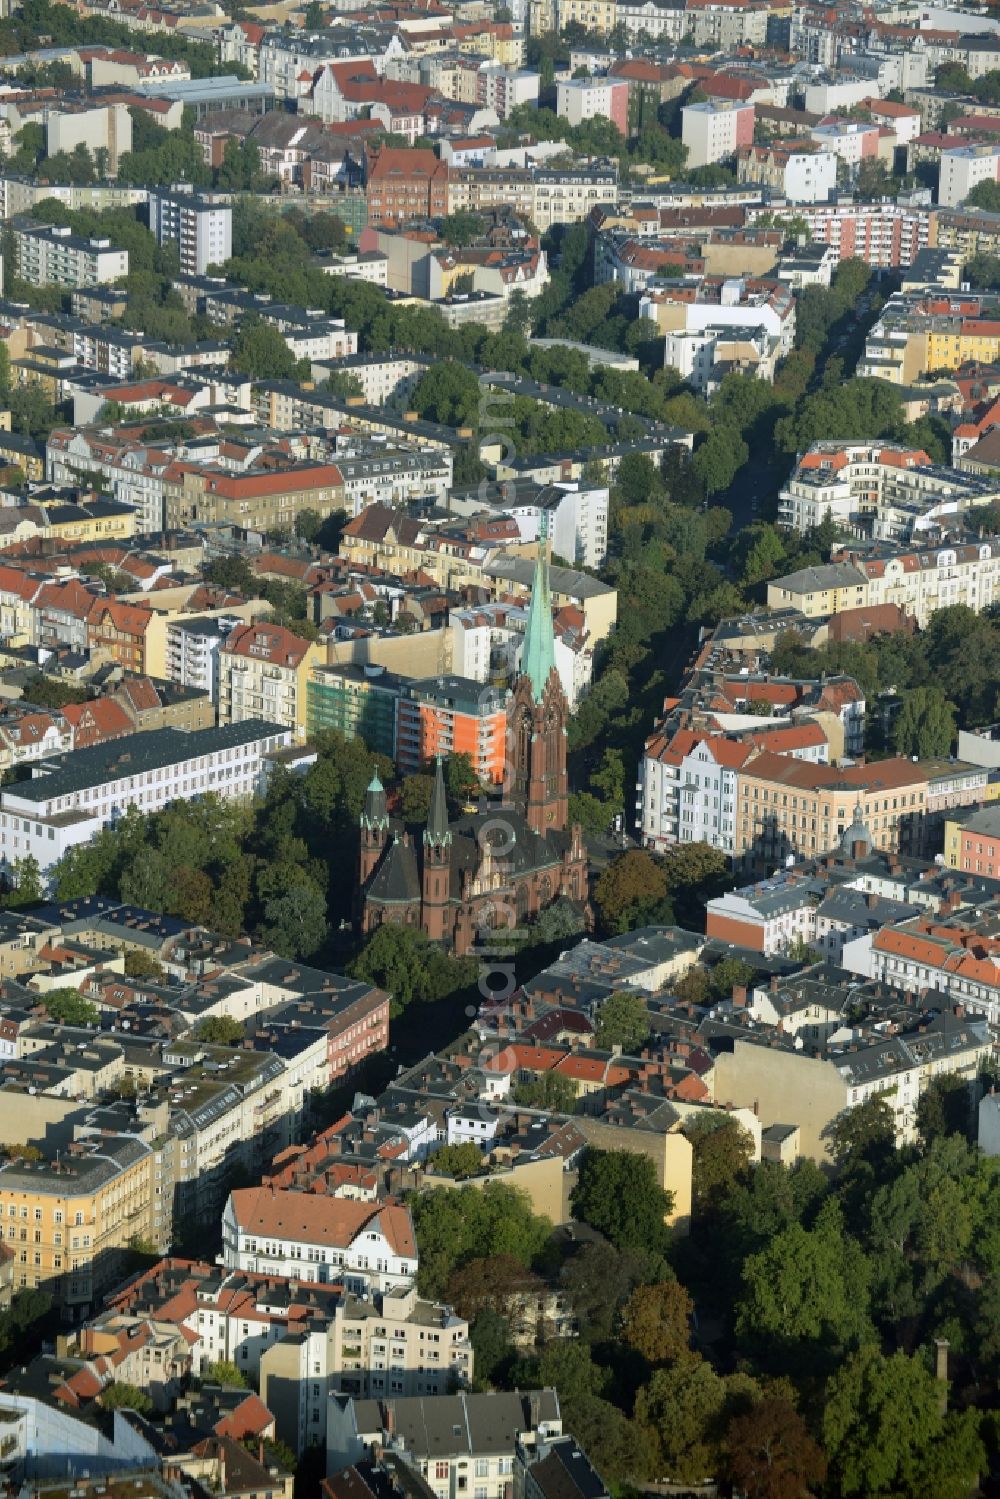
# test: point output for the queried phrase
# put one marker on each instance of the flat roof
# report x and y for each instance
(137, 754)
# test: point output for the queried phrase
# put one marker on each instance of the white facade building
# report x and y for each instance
(962, 169)
(810, 176)
(714, 129)
(49, 255)
(71, 798)
(368, 1246)
(193, 651)
(201, 226)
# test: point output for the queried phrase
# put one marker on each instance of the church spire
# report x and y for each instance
(539, 654)
(375, 814)
(437, 832)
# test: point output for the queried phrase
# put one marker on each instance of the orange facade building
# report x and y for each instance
(452, 716)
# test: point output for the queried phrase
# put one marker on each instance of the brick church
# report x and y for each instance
(497, 867)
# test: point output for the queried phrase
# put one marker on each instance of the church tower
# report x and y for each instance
(436, 884)
(537, 715)
(374, 829)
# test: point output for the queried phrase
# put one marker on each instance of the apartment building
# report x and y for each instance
(263, 671)
(368, 1247)
(801, 172)
(257, 500)
(884, 234)
(193, 647)
(50, 255)
(689, 777)
(69, 1222)
(880, 490)
(352, 1015)
(785, 807)
(704, 356)
(72, 797)
(454, 1439)
(580, 99)
(963, 168)
(405, 184)
(391, 1345)
(811, 1086)
(736, 304)
(360, 702)
(687, 789)
(917, 581)
(450, 715)
(917, 335)
(200, 225)
(715, 129)
(972, 843)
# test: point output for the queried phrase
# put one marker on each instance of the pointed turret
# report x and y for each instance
(375, 813)
(374, 822)
(437, 834)
(539, 654)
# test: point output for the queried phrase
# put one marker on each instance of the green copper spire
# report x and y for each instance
(437, 831)
(539, 654)
(375, 813)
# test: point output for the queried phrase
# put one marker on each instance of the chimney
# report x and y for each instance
(389, 1418)
(872, 900)
(941, 1371)
(535, 1409)
(739, 996)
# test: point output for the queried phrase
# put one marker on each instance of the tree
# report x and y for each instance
(722, 1154)
(457, 1161)
(220, 1030)
(411, 967)
(461, 228)
(563, 918)
(656, 1322)
(26, 880)
(415, 799)
(622, 1021)
(258, 349)
(985, 195)
(490, 1336)
(618, 1194)
(719, 458)
(121, 1396)
(139, 964)
(225, 1373)
(683, 1409)
(457, 1224)
(865, 1133)
(886, 1435)
(628, 890)
(944, 1108)
(805, 1295)
(68, 1007)
(925, 724)
(550, 1090)
(730, 974)
(599, 1279)
(492, 1283)
(295, 925)
(769, 1454)
(449, 393)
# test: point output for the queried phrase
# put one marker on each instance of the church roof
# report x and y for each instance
(527, 853)
(397, 878)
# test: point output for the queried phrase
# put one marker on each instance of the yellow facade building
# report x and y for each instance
(70, 1222)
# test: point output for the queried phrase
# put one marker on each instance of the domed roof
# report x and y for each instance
(857, 833)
